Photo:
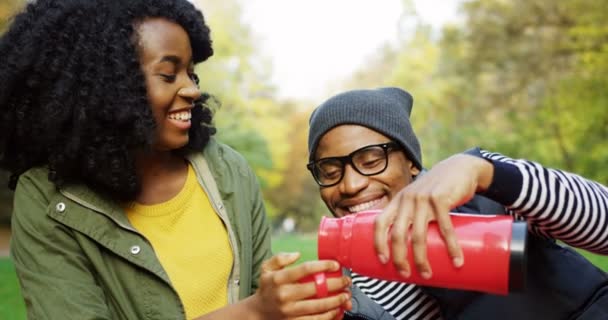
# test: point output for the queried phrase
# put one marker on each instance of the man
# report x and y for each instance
(364, 155)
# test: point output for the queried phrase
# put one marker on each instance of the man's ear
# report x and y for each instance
(414, 171)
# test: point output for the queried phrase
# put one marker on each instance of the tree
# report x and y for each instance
(534, 72)
(297, 196)
(7, 9)
(250, 119)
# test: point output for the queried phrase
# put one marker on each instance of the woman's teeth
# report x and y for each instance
(363, 206)
(183, 116)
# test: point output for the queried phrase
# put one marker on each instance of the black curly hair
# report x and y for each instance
(73, 95)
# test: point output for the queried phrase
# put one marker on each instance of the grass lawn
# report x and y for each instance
(11, 304)
(306, 244)
(12, 307)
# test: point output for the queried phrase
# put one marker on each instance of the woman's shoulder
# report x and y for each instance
(34, 192)
(221, 155)
(37, 177)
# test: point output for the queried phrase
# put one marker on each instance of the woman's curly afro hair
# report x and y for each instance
(73, 95)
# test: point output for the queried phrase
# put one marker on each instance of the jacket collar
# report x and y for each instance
(85, 196)
(214, 155)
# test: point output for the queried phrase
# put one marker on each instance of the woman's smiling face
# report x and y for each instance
(356, 192)
(166, 60)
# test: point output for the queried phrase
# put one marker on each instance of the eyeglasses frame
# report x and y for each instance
(348, 159)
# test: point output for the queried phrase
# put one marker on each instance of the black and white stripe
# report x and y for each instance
(560, 205)
(401, 300)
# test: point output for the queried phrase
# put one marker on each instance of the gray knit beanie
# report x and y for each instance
(386, 110)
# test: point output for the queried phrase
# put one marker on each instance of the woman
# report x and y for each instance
(125, 206)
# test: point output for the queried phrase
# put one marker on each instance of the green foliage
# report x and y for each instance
(7, 10)
(526, 78)
(530, 79)
(297, 195)
(249, 119)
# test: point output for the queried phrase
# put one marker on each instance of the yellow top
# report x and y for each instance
(192, 245)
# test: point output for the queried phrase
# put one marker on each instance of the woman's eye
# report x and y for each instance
(168, 77)
(193, 76)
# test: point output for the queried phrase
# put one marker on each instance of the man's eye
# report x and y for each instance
(370, 163)
(330, 174)
(168, 77)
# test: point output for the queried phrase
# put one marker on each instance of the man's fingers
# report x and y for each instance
(449, 236)
(399, 237)
(381, 229)
(419, 238)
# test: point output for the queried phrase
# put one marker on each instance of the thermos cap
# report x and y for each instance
(518, 258)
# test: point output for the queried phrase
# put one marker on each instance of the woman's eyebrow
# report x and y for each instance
(171, 58)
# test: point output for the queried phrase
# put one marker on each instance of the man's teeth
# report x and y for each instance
(183, 116)
(363, 206)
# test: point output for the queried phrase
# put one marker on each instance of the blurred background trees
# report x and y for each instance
(7, 9)
(524, 77)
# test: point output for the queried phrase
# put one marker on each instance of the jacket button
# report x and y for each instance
(221, 206)
(237, 282)
(60, 207)
(135, 249)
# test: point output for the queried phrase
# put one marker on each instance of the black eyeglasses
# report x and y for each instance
(368, 161)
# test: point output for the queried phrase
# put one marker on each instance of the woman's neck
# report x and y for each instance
(162, 176)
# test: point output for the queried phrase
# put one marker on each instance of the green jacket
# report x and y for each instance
(78, 257)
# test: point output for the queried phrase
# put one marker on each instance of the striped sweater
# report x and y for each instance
(556, 204)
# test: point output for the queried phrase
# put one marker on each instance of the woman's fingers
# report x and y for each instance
(323, 308)
(279, 261)
(295, 273)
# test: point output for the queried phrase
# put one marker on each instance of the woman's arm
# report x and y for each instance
(55, 278)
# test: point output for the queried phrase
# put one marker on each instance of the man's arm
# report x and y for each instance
(557, 204)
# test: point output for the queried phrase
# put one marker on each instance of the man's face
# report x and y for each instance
(357, 192)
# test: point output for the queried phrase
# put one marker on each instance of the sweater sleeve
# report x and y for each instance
(557, 204)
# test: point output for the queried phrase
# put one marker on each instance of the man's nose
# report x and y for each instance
(352, 181)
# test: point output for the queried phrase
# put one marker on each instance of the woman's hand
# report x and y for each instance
(280, 296)
(450, 183)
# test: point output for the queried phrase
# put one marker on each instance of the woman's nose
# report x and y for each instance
(191, 92)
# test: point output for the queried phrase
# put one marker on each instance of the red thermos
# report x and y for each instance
(494, 248)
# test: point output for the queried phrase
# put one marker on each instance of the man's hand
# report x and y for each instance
(449, 184)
